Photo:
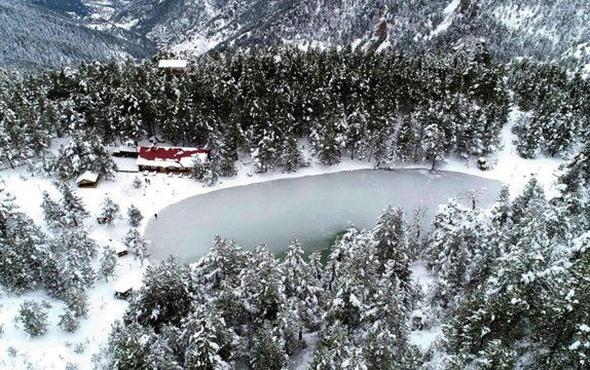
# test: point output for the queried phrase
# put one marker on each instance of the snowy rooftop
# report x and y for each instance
(170, 157)
(87, 176)
(124, 285)
(120, 248)
(172, 63)
(123, 148)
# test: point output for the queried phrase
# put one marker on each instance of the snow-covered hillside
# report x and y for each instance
(56, 348)
(34, 38)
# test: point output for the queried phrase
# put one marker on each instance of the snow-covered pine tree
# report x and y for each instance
(131, 346)
(261, 285)
(327, 138)
(198, 170)
(458, 235)
(208, 341)
(333, 349)
(560, 130)
(110, 210)
(302, 285)
(223, 263)
(530, 136)
(53, 213)
(134, 216)
(434, 145)
(137, 245)
(385, 337)
(22, 247)
(291, 156)
(33, 316)
(51, 274)
(266, 351)
(562, 326)
(72, 205)
(391, 243)
(353, 276)
(166, 297)
(266, 153)
(356, 131)
(108, 263)
(532, 192)
(68, 321)
(407, 147)
(76, 300)
(137, 183)
(289, 327)
(501, 210)
(163, 356)
(84, 153)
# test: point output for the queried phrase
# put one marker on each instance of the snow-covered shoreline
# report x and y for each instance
(56, 348)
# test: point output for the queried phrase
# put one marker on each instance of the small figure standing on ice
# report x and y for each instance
(156, 215)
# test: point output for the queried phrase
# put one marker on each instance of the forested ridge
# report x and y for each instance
(510, 292)
(34, 39)
(511, 282)
(376, 106)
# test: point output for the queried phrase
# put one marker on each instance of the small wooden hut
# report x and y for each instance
(88, 180)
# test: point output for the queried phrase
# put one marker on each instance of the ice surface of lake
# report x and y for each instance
(312, 208)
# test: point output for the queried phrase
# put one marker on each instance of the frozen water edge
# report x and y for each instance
(51, 351)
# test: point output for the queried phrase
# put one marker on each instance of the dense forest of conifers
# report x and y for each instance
(375, 106)
(511, 282)
(511, 292)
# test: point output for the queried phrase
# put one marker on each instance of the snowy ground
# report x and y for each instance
(54, 349)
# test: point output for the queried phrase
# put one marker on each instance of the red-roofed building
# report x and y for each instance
(166, 159)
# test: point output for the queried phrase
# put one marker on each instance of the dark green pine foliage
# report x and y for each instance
(72, 204)
(391, 244)
(22, 247)
(386, 344)
(407, 146)
(266, 351)
(207, 340)
(33, 317)
(166, 297)
(261, 285)
(110, 210)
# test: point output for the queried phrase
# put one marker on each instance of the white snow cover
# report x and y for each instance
(55, 348)
(172, 63)
(120, 248)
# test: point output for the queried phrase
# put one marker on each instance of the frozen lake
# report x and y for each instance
(312, 208)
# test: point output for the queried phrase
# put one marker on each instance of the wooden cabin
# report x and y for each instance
(121, 250)
(88, 180)
(129, 150)
(169, 159)
(123, 290)
(173, 66)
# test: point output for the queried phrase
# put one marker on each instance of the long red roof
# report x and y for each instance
(175, 154)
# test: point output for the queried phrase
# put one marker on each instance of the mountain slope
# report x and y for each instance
(545, 29)
(34, 38)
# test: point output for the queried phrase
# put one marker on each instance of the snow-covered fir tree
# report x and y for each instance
(208, 341)
(134, 216)
(68, 321)
(110, 210)
(22, 247)
(137, 245)
(33, 316)
(108, 263)
(73, 206)
(391, 243)
(52, 211)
